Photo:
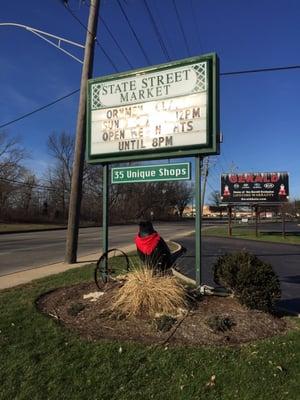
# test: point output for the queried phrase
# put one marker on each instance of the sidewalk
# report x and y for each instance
(28, 275)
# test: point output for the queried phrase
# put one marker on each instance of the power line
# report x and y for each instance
(196, 25)
(133, 32)
(67, 7)
(32, 185)
(39, 109)
(264, 70)
(253, 71)
(211, 187)
(158, 35)
(116, 42)
(181, 28)
(213, 176)
(112, 36)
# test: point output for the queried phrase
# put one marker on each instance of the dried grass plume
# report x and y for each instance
(146, 293)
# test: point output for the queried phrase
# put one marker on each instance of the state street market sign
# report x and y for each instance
(169, 110)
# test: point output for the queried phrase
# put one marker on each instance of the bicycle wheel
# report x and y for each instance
(112, 263)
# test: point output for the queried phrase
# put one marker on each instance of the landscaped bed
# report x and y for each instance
(92, 319)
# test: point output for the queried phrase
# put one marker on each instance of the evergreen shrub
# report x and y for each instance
(252, 281)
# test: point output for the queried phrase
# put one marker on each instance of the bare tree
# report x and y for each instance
(183, 193)
(12, 154)
(91, 204)
(61, 148)
(215, 198)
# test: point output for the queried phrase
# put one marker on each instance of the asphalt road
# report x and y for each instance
(285, 260)
(21, 251)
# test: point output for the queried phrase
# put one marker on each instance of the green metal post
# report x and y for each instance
(198, 218)
(105, 208)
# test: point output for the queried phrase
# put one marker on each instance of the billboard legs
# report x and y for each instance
(283, 221)
(229, 220)
(198, 218)
(256, 209)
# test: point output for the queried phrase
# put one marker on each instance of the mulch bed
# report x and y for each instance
(92, 320)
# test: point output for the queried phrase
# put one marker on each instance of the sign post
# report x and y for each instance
(105, 210)
(198, 162)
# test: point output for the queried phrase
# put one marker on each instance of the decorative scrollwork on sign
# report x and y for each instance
(96, 102)
(201, 72)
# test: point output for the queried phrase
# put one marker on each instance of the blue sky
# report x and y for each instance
(260, 115)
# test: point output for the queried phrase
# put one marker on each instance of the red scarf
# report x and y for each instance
(148, 243)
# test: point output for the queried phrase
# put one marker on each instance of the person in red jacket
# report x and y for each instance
(153, 250)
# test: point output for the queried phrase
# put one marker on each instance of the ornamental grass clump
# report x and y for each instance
(146, 293)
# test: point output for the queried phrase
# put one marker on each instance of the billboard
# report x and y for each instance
(168, 110)
(255, 187)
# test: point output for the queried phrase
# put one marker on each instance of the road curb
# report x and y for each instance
(32, 274)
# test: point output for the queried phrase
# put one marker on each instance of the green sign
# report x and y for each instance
(151, 173)
(164, 111)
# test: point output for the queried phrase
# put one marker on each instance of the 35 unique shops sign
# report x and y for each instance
(170, 109)
(151, 173)
(262, 187)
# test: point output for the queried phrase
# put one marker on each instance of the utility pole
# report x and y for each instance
(78, 164)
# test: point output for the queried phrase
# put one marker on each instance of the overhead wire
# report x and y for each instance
(39, 109)
(212, 188)
(133, 32)
(75, 91)
(197, 26)
(229, 73)
(67, 7)
(116, 42)
(257, 70)
(181, 28)
(156, 30)
(88, 4)
(32, 185)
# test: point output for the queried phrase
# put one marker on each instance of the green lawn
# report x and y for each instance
(26, 227)
(39, 359)
(239, 232)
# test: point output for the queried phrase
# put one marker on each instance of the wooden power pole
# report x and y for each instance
(78, 164)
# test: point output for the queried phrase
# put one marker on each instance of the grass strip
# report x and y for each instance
(27, 227)
(249, 234)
